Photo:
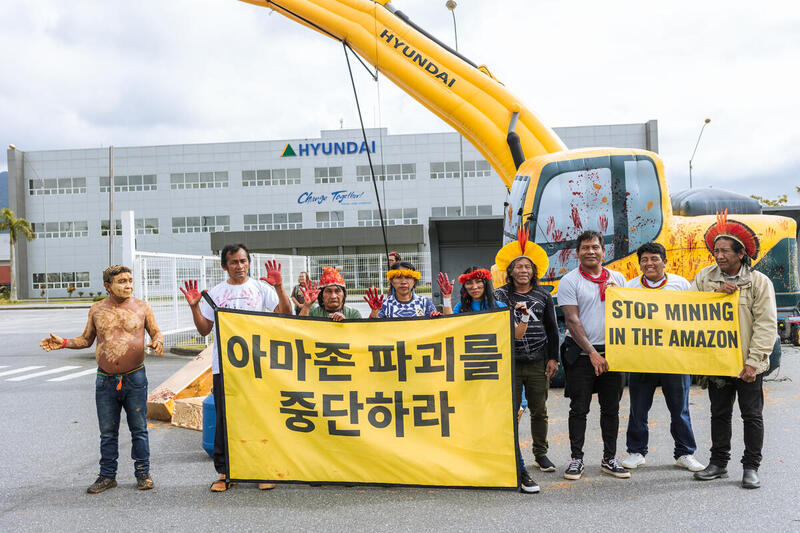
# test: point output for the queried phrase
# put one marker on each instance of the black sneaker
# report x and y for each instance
(574, 470)
(612, 467)
(102, 483)
(144, 482)
(544, 464)
(527, 484)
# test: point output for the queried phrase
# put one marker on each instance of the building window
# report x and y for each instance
(273, 221)
(328, 175)
(330, 219)
(146, 226)
(394, 172)
(477, 169)
(61, 230)
(455, 211)
(198, 180)
(61, 280)
(275, 176)
(201, 224)
(38, 187)
(137, 182)
(443, 170)
(104, 227)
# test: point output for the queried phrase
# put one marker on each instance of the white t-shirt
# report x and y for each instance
(252, 295)
(574, 289)
(674, 283)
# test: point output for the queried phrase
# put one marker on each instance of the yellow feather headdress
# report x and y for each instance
(522, 247)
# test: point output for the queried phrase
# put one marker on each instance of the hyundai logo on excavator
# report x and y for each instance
(424, 63)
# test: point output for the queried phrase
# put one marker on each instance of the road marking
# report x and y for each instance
(20, 370)
(74, 375)
(44, 373)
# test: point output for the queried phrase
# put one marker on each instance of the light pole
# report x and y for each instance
(695, 150)
(451, 5)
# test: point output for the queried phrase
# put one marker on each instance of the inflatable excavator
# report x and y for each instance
(553, 192)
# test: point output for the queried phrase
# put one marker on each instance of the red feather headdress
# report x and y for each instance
(733, 230)
(481, 273)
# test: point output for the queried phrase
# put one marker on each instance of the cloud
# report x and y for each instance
(89, 73)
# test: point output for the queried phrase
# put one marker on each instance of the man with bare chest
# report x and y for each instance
(119, 323)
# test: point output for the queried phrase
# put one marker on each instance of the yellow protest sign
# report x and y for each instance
(673, 332)
(402, 401)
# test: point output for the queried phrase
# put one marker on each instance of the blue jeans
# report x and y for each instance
(133, 397)
(676, 395)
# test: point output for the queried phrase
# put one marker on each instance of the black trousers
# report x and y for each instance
(581, 383)
(751, 405)
(219, 437)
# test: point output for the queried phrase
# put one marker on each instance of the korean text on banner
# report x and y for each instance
(673, 332)
(405, 401)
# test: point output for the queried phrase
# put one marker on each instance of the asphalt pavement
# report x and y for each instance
(49, 450)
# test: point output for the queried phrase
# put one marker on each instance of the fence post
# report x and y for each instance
(143, 270)
(203, 280)
(175, 290)
(380, 271)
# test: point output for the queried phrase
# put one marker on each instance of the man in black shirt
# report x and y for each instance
(537, 352)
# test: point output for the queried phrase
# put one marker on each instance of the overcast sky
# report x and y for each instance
(90, 73)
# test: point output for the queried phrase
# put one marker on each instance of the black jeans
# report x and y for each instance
(751, 405)
(219, 436)
(531, 375)
(581, 383)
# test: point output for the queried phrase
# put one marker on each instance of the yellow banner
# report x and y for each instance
(673, 332)
(404, 401)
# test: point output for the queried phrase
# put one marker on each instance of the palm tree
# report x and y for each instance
(17, 227)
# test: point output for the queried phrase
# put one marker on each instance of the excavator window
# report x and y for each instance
(513, 208)
(620, 197)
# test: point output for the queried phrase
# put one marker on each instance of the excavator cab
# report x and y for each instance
(557, 197)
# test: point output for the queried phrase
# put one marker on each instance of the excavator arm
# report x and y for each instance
(462, 94)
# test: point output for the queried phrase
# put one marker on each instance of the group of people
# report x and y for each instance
(119, 322)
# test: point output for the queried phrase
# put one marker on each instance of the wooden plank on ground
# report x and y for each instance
(192, 380)
(188, 413)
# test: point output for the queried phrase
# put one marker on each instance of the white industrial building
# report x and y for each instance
(297, 196)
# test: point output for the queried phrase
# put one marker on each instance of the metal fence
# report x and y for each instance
(157, 277)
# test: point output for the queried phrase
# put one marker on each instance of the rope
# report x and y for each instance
(369, 156)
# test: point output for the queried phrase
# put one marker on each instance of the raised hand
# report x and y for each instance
(310, 292)
(53, 342)
(445, 284)
(374, 299)
(274, 277)
(157, 347)
(190, 292)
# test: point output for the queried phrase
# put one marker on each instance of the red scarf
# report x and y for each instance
(646, 282)
(600, 280)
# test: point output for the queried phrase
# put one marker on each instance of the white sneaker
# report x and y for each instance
(689, 463)
(633, 460)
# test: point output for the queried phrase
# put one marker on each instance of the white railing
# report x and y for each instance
(159, 275)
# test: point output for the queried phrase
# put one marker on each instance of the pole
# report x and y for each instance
(695, 150)
(111, 226)
(44, 223)
(452, 7)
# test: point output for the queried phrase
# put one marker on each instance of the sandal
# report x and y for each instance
(221, 485)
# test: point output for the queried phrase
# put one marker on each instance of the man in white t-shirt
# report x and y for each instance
(582, 295)
(652, 262)
(239, 291)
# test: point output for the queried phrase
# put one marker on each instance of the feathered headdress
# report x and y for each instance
(733, 230)
(522, 247)
(481, 273)
(330, 276)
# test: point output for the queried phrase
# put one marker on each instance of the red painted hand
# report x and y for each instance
(274, 277)
(435, 314)
(310, 292)
(374, 299)
(445, 284)
(190, 291)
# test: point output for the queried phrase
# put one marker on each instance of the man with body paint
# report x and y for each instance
(118, 322)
